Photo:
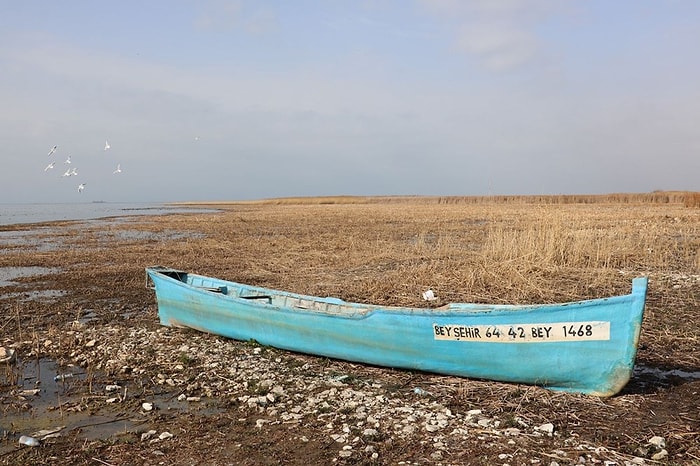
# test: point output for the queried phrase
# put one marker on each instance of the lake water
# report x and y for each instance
(11, 214)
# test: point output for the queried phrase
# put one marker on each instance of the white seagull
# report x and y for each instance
(67, 160)
(50, 166)
(73, 172)
(81, 186)
(53, 149)
(119, 168)
(107, 146)
(67, 173)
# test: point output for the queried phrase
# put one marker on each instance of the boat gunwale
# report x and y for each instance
(362, 310)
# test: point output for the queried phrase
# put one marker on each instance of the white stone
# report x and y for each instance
(547, 428)
(147, 435)
(657, 441)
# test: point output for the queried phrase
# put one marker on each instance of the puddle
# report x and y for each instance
(41, 239)
(9, 274)
(664, 375)
(87, 317)
(140, 235)
(33, 295)
(38, 395)
(48, 398)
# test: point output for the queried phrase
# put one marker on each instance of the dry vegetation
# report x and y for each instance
(389, 250)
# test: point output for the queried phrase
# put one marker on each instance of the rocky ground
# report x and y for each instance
(134, 392)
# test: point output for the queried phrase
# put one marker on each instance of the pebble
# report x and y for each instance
(547, 428)
(355, 412)
(657, 441)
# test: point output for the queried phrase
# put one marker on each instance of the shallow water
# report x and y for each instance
(47, 238)
(49, 398)
(11, 214)
(659, 374)
(50, 403)
(9, 274)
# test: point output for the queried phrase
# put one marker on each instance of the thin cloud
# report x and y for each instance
(500, 34)
(235, 15)
(498, 46)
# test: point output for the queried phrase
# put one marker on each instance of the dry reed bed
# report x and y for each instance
(488, 252)
(389, 253)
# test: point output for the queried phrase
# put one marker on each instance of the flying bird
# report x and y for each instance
(81, 186)
(107, 146)
(67, 160)
(53, 149)
(119, 169)
(50, 166)
(70, 172)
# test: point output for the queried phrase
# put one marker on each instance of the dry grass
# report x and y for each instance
(390, 250)
(387, 251)
(656, 197)
(497, 252)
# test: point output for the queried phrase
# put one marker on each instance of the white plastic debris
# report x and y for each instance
(165, 435)
(29, 441)
(429, 295)
(62, 377)
(147, 406)
(7, 355)
(420, 391)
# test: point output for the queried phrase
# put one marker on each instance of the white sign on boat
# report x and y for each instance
(525, 333)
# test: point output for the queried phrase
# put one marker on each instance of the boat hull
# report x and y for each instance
(585, 347)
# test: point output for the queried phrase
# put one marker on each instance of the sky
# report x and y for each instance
(214, 100)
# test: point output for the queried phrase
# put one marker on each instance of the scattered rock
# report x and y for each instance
(657, 441)
(547, 428)
(147, 435)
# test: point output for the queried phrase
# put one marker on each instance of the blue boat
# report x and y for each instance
(584, 347)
